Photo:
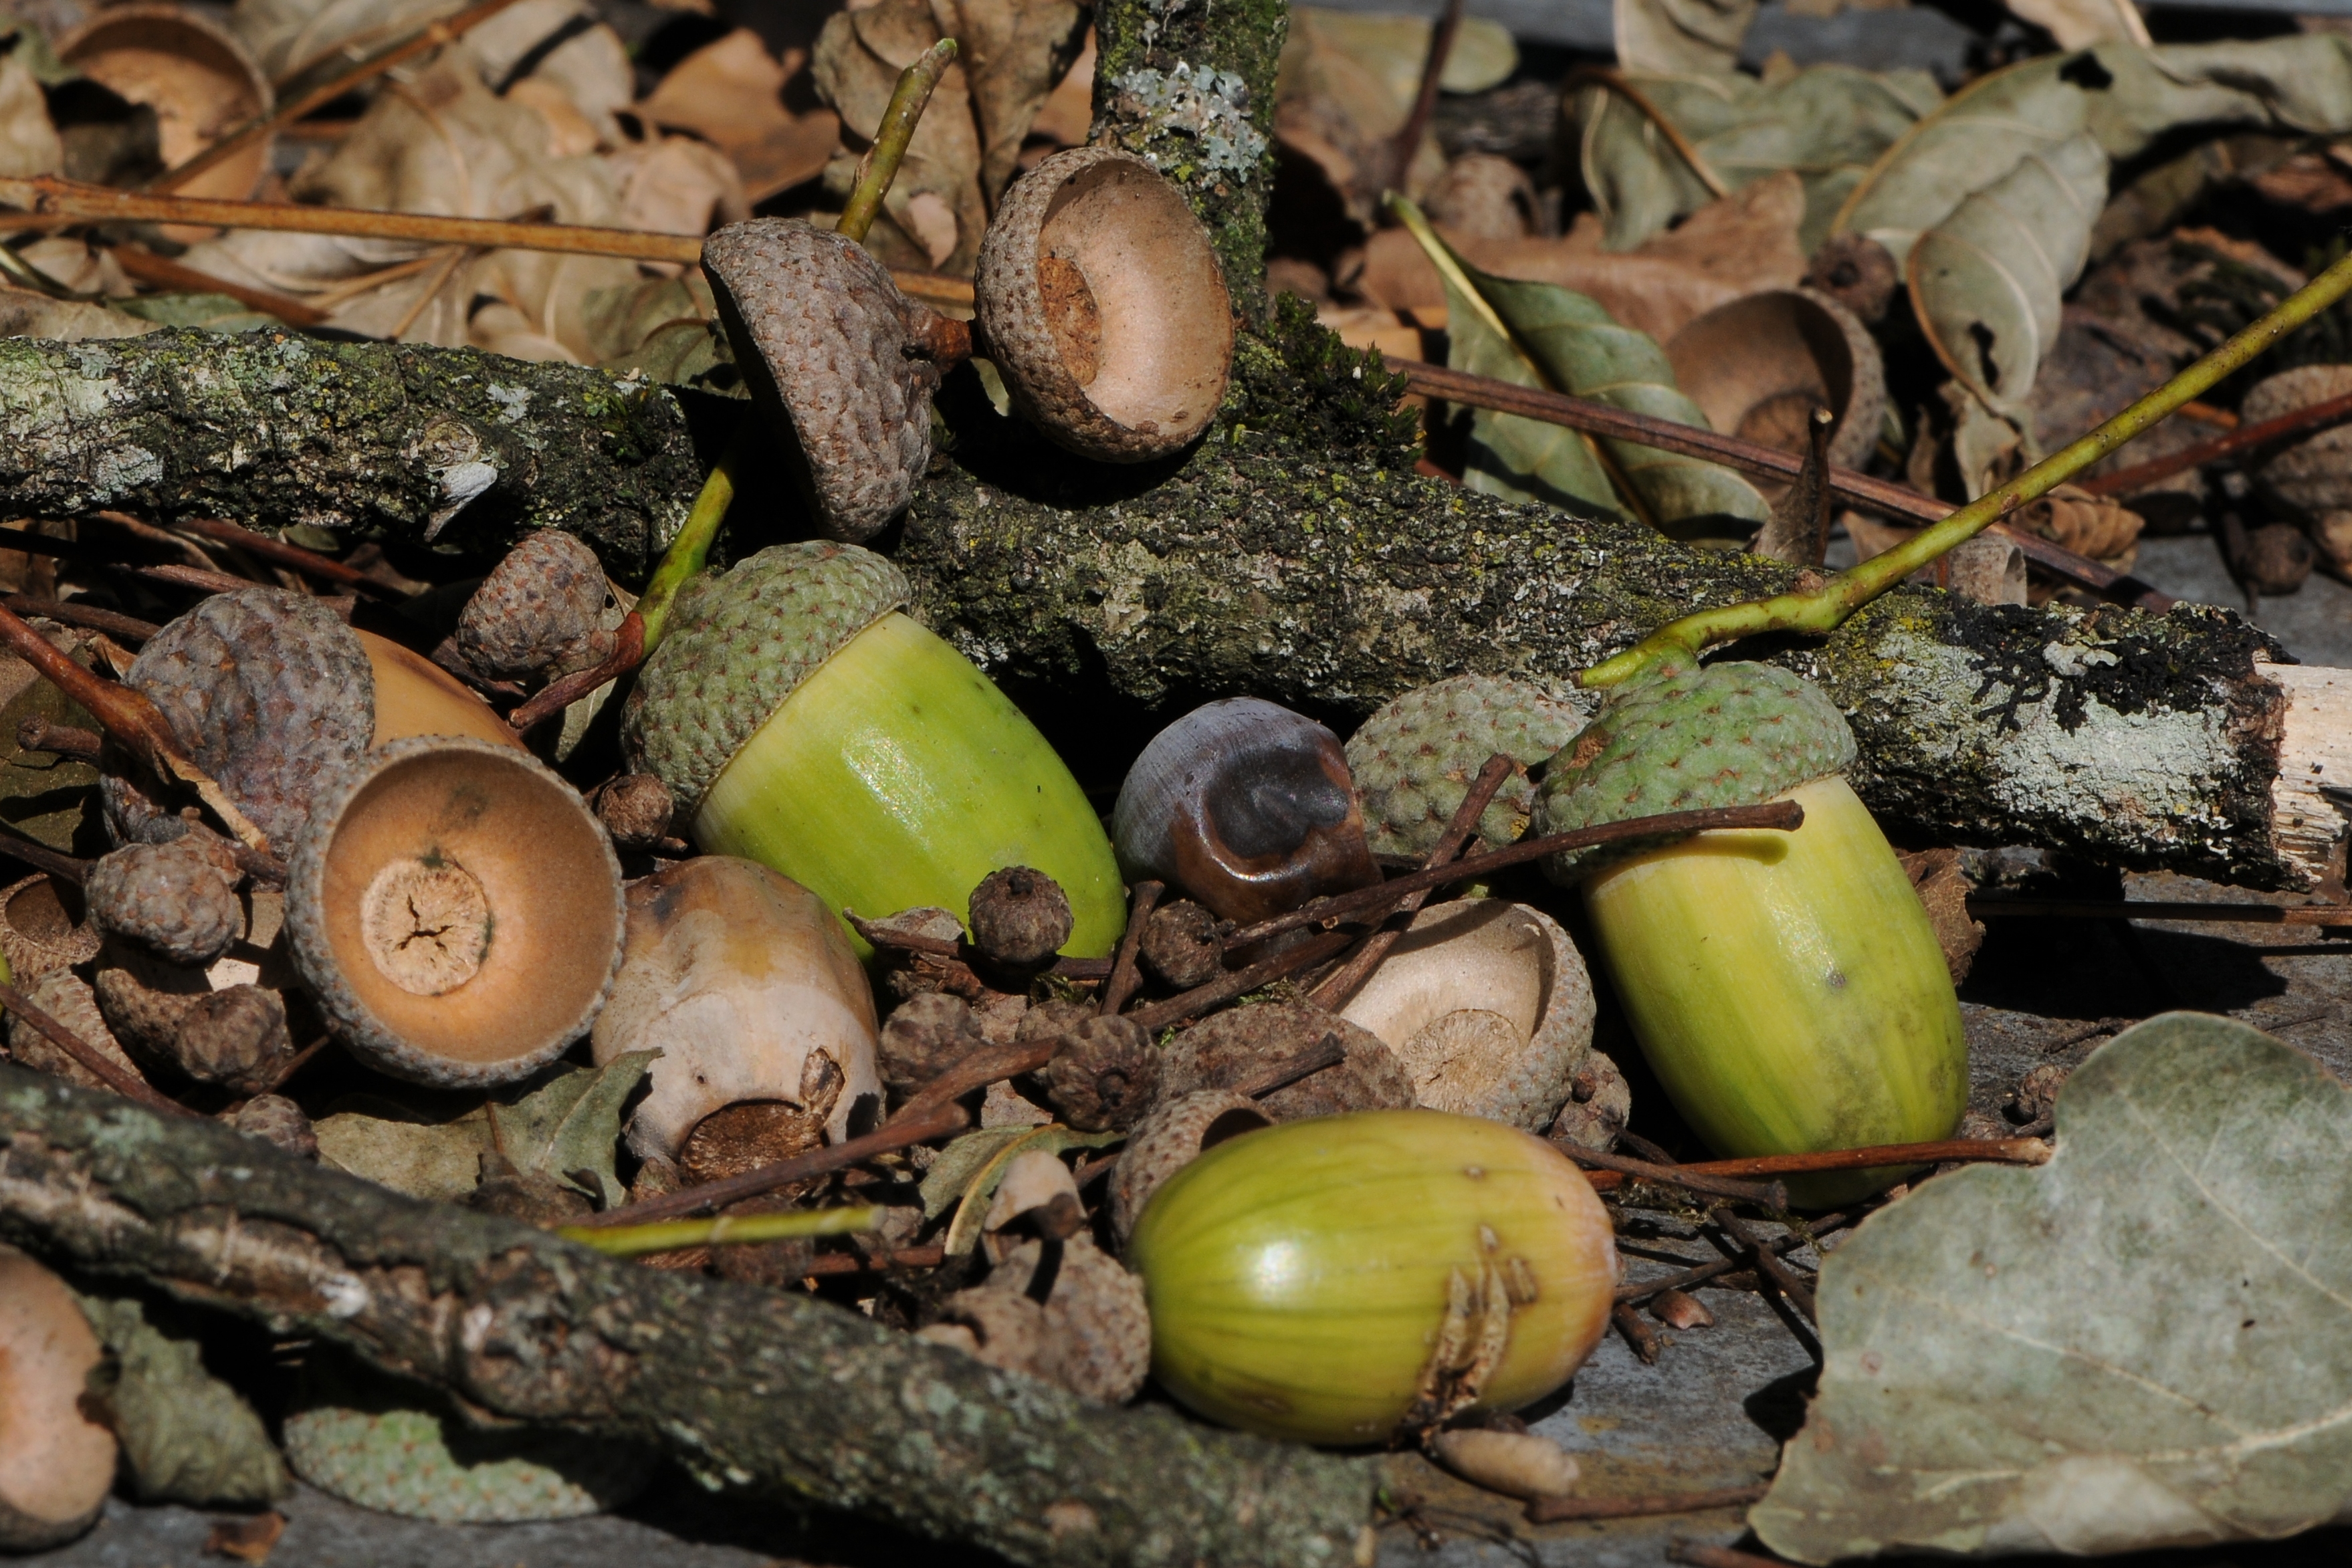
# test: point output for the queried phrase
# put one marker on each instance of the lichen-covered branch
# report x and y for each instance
(270, 428)
(1311, 565)
(1191, 87)
(753, 1387)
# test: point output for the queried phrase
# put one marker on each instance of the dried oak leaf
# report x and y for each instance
(2145, 1343)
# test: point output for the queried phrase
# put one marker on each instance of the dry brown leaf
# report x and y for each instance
(569, 132)
(591, 67)
(28, 142)
(856, 64)
(1396, 335)
(1014, 51)
(288, 36)
(730, 94)
(1068, 114)
(678, 185)
(1727, 248)
(2096, 526)
(2079, 24)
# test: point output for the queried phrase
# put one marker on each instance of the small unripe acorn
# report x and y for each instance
(1020, 918)
(537, 612)
(1787, 988)
(635, 809)
(171, 899)
(805, 723)
(1337, 1279)
(1183, 944)
(928, 1033)
(1105, 1074)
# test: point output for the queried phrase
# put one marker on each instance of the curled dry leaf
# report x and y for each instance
(1681, 35)
(728, 94)
(2144, 1342)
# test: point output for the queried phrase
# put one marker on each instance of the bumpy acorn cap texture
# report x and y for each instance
(270, 692)
(1103, 303)
(737, 645)
(171, 899)
(821, 333)
(1682, 738)
(1413, 759)
(536, 611)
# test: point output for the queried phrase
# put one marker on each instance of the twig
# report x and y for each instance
(855, 1263)
(1342, 984)
(133, 721)
(879, 167)
(628, 652)
(38, 733)
(1944, 1151)
(451, 259)
(1124, 977)
(1561, 1510)
(296, 1063)
(1598, 418)
(1823, 610)
(1771, 1195)
(431, 37)
(1639, 1338)
(309, 563)
(123, 1080)
(2315, 417)
(1603, 76)
(1240, 982)
(148, 267)
(638, 1239)
(2129, 909)
(1328, 1052)
(1367, 903)
(70, 613)
(1424, 102)
(937, 1122)
(1633, 1294)
(957, 951)
(40, 857)
(1767, 1259)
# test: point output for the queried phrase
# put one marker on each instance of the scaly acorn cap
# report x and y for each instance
(1682, 738)
(1414, 758)
(821, 333)
(739, 645)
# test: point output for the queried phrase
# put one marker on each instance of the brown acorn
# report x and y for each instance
(636, 810)
(235, 1037)
(537, 612)
(1105, 1074)
(1183, 944)
(274, 1119)
(926, 1035)
(176, 900)
(1020, 918)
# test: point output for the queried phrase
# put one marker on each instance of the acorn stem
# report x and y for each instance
(879, 167)
(1824, 608)
(723, 1230)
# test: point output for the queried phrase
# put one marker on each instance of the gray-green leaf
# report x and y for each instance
(2147, 1342)
(1557, 338)
(186, 1435)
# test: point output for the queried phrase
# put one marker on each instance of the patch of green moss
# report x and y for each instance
(1295, 383)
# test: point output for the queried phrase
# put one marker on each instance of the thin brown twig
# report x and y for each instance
(1371, 903)
(39, 734)
(309, 563)
(1754, 457)
(432, 36)
(23, 846)
(131, 719)
(1328, 1052)
(1605, 77)
(1639, 1338)
(936, 1122)
(148, 267)
(123, 1080)
(1634, 1293)
(1124, 976)
(1160, 1015)
(1342, 983)
(628, 652)
(1767, 1261)
(1941, 1151)
(1769, 1195)
(2315, 417)
(879, 936)
(70, 613)
(296, 1063)
(859, 1263)
(1425, 102)
(451, 259)
(1562, 1510)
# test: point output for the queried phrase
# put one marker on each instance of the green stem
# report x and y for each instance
(880, 164)
(1824, 608)
(691, 549)
(725, 1230)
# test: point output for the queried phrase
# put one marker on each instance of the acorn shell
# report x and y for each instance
(821, 334)
(544, 902)
(1102, 304)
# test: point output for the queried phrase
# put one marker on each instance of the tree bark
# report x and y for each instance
(1191, 87)
(749, 1386)
(269, 428)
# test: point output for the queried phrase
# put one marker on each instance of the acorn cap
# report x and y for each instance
(1682, 738)
(455, 910)
(269, 692)
(171, 899)
(821, 333)
(1102, 303)
(1414, 758)
(538, 611)
(737, 645)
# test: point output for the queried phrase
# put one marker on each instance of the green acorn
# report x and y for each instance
(800, 721)
(1414, 758)
(1787, 988)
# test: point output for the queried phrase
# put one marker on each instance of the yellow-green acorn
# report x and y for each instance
(1340, 1279)
(802, 722)
(1786, 986)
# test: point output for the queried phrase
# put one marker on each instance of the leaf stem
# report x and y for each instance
(1824, 610)
(723, 1230)
(879, 167)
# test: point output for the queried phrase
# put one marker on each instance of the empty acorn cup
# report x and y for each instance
(1102, 304)
(456, 910)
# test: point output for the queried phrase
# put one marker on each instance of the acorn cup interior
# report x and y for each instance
(458, 910)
